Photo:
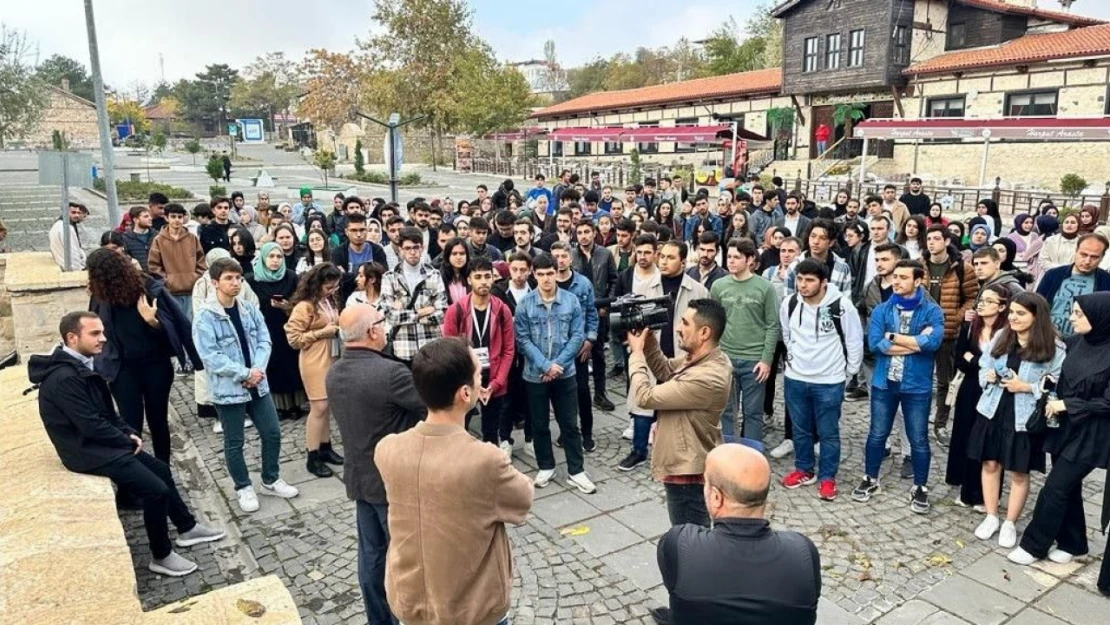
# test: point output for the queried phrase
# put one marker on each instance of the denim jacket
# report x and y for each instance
(546, 337)
(917, 373)
(1031, 372)
(218, 344)
(583, 289)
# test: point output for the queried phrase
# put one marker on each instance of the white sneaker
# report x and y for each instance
(582, 482)
(507, 448)
(1059, 556)
(543, 477)
(1007, 536)
(627, 433)
(248, 501)
(783, 450)
(816, 449)
(987, 528)
(1021, 556)
(530, 448)
(280, 489)
(218, 427)
(248, 423)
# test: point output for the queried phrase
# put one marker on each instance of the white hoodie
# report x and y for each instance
(813, 349)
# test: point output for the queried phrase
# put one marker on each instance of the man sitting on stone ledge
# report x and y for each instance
(77, 412)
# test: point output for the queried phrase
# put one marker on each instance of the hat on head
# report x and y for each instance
(306, 191)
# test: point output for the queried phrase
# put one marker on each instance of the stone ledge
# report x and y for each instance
(36, 271)
(63, 554)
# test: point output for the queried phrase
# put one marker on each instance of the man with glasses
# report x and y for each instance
(1060, 286)
(414, 297)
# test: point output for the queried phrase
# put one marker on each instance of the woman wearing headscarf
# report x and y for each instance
(202, 290)
(1028, 245)
(274, 284)
(979, 234)
(1078, 446)
(936, 215)
(1088, 218)
(988, 209)
(1007, 249)
(1046, 226)
(1059, 249)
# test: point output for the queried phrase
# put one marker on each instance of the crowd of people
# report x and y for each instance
(499, 309)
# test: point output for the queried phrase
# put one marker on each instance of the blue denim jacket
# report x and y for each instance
(549, 337)
(1031, 372)
(218, 346)
(917, 373)
(583, 289)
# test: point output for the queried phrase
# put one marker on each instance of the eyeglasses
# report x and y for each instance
(986, 300)
(410, 248)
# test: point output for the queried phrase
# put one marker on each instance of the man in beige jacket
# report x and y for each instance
(688, 400)
(450, 497)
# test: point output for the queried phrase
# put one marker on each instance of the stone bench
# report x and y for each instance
(63, 555)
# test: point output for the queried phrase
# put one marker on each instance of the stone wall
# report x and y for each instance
(7, 326)
(70, 114)
(40, 294)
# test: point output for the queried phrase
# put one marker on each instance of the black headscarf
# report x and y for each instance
(1096, 307)
(1011, 252)
(1087, 356)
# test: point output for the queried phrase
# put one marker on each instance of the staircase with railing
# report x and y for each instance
(758, 160)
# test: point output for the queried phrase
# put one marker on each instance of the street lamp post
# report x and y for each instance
(392, 127)
(107, 153)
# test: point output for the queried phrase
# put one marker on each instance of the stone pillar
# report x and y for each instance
(39, 294)
(7, 327)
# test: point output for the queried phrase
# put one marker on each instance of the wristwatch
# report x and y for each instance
(890, 336)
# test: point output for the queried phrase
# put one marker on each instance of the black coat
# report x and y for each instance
(283, 371)
(77, 411)
(176, 327)
(699, 567)
(964, 412)
(213, 235)
(1084, 433)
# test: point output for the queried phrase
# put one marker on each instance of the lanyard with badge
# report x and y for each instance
(482, 352)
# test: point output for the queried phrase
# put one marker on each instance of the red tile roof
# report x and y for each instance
(159, 111)
(1053, 16)
(728, 86)
(1079, 42)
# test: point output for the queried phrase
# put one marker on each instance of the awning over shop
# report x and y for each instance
(680, 134)
(519, 134)
(586, 134)
(1030, 128)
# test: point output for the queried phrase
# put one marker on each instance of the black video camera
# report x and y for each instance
(636, 312)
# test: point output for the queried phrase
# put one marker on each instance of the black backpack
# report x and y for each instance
(837, 315)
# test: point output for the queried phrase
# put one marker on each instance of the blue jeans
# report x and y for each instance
(265, 420)
(186, 304)
(747, 396)
(373, 542)
(815, 409)
(915, 414)
(641, 432)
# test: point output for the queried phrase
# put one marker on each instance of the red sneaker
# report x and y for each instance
(827, 490)
(798, 478)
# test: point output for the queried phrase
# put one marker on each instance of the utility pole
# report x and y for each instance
(107, 153)
(392, 135)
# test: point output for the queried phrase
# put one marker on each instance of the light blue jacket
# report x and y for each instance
(545, 337)
(1031, 372)
(583, 289)
(917, 372)
(218, 346)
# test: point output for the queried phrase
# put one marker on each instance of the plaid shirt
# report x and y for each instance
(840, 274)
(411, 331)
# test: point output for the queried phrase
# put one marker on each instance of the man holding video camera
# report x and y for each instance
(654, 277)
(688, 399)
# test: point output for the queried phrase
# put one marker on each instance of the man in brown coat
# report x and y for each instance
(688, 399)
(450, 497)
(176, 256)
(953, 286)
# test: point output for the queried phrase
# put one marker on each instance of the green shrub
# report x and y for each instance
(1072, 185)
(411, 179)
(215, 168)
(128, 191)
(217, 190)
(360, 163)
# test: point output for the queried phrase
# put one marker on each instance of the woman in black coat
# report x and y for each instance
(274, 283)
(972, 340)
(1078, 446)
(146, 330)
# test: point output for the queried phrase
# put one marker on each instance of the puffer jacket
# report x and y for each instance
(178, 260)
(950, 294)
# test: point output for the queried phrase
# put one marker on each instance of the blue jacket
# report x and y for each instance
(714, 222)
(917, 372)
(583, 289)
(545, 337)
(1031, 372)
(218, 344)
(1053, 278)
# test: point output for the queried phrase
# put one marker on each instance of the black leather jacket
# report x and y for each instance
(601, 270)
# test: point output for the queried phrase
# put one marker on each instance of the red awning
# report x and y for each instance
(518, 135)
(681, 134)
(1037, 128)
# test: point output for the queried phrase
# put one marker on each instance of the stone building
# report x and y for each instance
(72, 115)
(893, 59)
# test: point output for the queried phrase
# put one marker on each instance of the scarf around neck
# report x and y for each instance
(262, 273)
(908, 303)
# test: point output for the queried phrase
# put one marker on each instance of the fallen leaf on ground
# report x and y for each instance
(251, 608)
(938, 559)
(578, 530)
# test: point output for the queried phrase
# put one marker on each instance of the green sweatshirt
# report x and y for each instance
(753, 319)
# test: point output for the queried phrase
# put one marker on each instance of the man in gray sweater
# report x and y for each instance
(371, 396)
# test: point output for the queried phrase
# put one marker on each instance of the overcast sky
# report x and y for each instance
(189, 34)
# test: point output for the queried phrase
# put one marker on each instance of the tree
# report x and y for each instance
(360, 162)
(57, 68)
(325, 161)
(58, 141)
(489, 96)
(158, 142)
(23, 95)
(1072, 185)
(333, 88)
(192, 146)
(635, 168)
(128, 111)
(589, 78)
(847, 115)
(209, 94)
(214, 168)
(268, 85)
(781, 121)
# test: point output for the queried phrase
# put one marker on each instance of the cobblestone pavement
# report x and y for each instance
(591, 558)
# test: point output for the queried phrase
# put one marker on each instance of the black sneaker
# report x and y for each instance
(631, 461)
(866, 488)
(616, 372)
(853, 384)
(906, 472)
(857, 394)
(662, 616)
(601, 401)
(588, 445)
(919, 500)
